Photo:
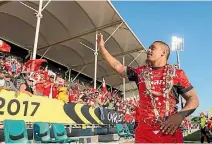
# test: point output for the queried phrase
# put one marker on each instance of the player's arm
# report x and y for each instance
(114, 63)
(188, 93)
(192, 102)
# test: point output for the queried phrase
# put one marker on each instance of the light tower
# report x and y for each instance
(178, 45)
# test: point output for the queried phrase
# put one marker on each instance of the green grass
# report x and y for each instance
(194, 137)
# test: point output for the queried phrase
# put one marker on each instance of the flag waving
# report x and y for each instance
(4, 47)
(33, 65)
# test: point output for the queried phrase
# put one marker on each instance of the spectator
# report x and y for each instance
(8, 83)
(106, 103)
(203, 128)
(18, 80)
(111, 104)
(2, 75)
(210, 124)
(47, 85)
(39, 86)
(83, 99)
(92, 102)
(44, 85)
(62, 95)
(55, 91)
(26, 87)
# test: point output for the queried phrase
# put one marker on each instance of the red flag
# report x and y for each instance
(33, 65)
(4, 47)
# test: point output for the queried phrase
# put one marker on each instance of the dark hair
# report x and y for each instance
(161, 42)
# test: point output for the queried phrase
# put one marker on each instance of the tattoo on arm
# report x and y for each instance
(118, 67)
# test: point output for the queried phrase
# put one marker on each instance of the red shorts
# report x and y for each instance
(148, 134)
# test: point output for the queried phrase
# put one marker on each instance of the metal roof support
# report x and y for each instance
(87, 46)
(110, 2)
(135, 58)
(116, 92)
(114, 32)
(69, 75)
(124, 79)
(46, 5)
(78, 73)
(39, 16)
(99, 87)
(96, 58)
(114, 55)
(96, 52)
(46, 52)
(28, 6)
(84, 33)
(28, 55)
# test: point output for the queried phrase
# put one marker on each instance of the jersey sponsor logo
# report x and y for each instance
(157, 82)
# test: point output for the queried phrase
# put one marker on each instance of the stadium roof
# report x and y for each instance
(66, 26)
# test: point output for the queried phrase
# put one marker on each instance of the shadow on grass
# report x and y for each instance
(193, 138)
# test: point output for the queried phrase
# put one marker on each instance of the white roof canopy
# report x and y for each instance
(67, 23)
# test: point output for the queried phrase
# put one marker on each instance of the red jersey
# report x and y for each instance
(39, 88)
(120, 107)
(152, 96)
(130, 102)
(102, 99)
(128, 117)
(181, 85)
(104, 89)
(47, 90)
(210, 124)
(137, 114)
(75, 92)
(54, 93)
(72, 98)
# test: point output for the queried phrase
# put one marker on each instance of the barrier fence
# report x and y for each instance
(43, 109)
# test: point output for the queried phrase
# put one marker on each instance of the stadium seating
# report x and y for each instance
(126, 129)
(61, 134)
(41, 133)
(121, 131)
(15, 131)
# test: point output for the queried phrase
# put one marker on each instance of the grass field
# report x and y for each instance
(193, 137)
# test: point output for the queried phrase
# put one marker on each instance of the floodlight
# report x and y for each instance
(177, 44)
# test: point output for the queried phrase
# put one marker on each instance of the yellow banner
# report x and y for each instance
(32, 109)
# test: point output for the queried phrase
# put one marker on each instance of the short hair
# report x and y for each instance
(161, 42)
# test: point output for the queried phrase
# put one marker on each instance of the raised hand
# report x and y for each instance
(100, 41)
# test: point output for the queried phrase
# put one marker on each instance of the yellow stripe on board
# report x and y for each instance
(77, 109)
(92, 113)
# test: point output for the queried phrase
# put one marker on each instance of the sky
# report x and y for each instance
(155, 20)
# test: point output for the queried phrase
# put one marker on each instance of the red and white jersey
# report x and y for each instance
(180, 85)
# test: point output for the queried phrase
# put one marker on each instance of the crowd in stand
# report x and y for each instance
(34, 79)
